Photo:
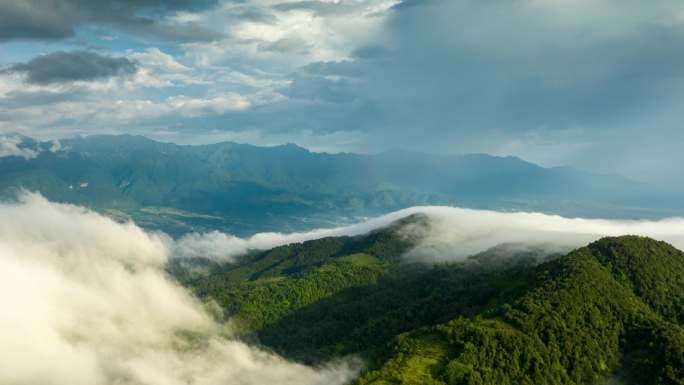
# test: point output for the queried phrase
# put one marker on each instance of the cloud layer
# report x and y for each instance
(86, 303)
(450, 233)
(11, 145)
(454, 233)
(61, 67)
(586, 83)
(55, 20)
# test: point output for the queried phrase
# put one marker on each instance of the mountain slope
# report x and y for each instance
(576, 324)
(610, 311)
(243, 189)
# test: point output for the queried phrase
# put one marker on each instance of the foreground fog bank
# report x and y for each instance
(86, 302)
(454, 234)
(450, 233)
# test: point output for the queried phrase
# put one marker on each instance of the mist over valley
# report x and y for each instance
(341, 192)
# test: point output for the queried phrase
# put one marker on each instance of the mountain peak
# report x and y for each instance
(291, 147)
(650, 268)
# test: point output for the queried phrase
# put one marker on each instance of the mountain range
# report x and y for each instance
(244, 189)
(611, 312)
(520, 312)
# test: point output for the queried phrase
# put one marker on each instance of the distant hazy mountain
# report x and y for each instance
(244, 188)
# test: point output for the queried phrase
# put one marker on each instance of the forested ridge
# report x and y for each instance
(610, 312)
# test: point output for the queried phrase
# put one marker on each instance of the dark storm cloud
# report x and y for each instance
(54, 20)
(65, 67)
(588, 83)
(465, 72)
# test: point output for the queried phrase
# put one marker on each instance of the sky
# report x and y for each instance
(595, 84)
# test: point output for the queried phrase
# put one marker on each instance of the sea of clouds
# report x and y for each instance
(449, 233)
(86, 300)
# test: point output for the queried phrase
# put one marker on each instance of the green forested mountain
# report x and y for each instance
(608, 313)
(243, 189)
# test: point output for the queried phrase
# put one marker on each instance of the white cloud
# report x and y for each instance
(226, 247)
(87, 303)
(90, 115)
(312, 31)
(218, 105)
(10, 146)
(455, 233)
(262, 81)
(181, 105)
(251, 66)
(451, 234)
(154, 57)
(158, 70)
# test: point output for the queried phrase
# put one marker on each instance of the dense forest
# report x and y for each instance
(611, 312)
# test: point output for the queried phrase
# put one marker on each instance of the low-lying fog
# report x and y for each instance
(86, 300)
(450, 233)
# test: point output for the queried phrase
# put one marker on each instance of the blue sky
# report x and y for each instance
(596, 84)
